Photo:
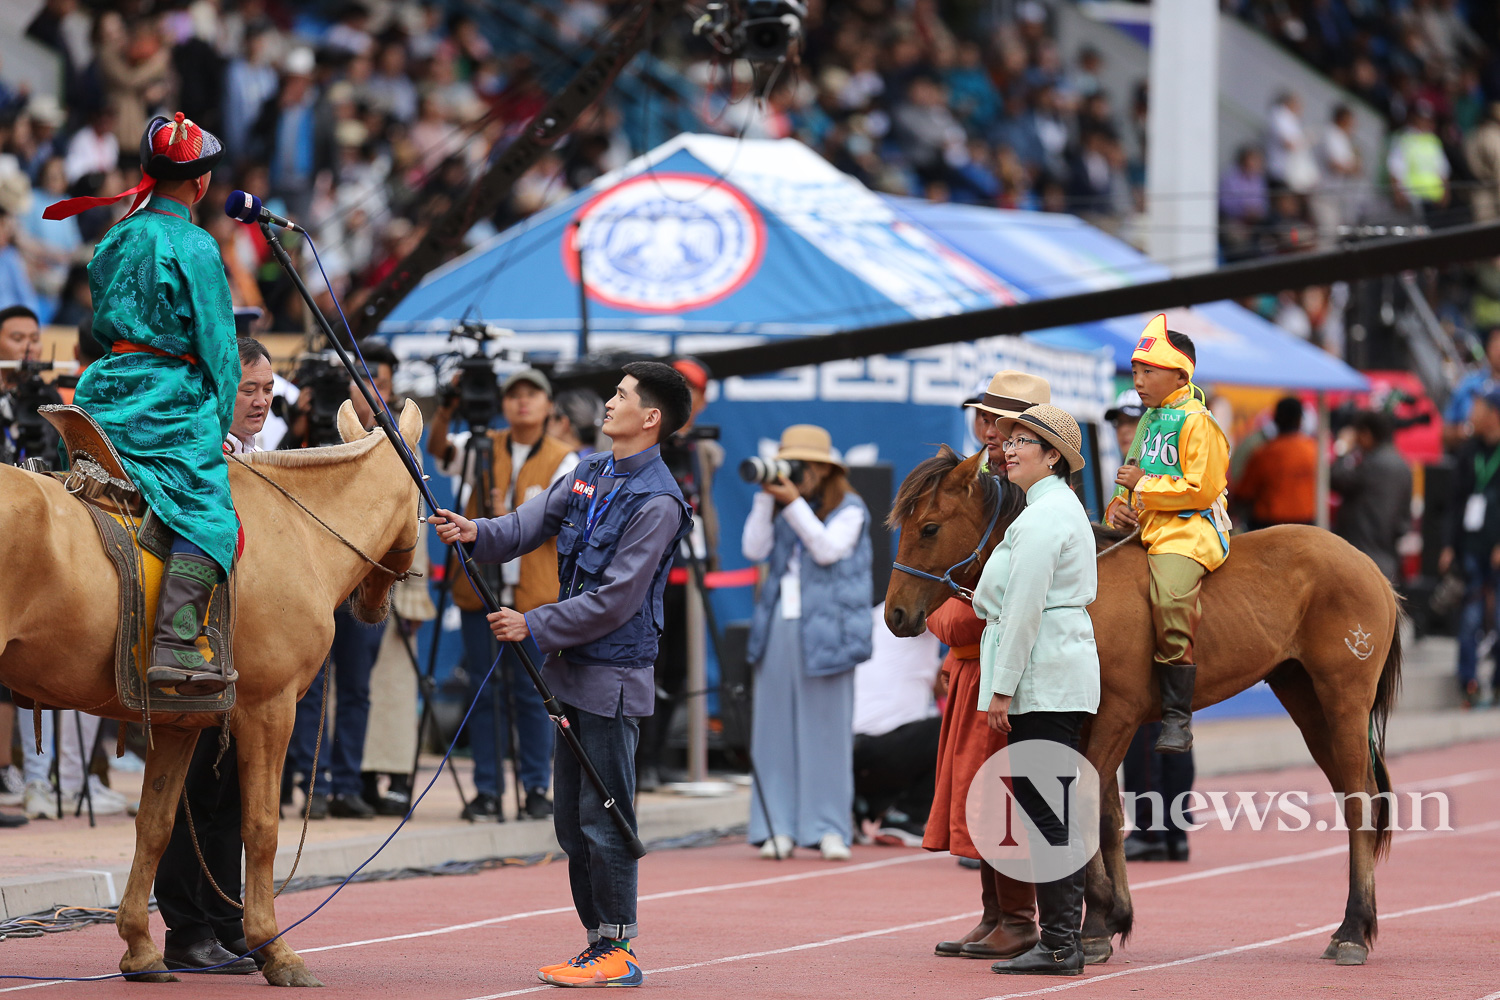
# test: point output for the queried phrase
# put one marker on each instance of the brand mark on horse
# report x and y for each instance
(1361, 645)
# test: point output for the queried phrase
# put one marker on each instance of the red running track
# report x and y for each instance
(1248, 916)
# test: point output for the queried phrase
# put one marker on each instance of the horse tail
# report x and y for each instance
(1386, 690)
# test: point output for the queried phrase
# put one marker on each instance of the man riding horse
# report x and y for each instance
(164, 395)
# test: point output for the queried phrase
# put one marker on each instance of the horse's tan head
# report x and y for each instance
(941, 512)
(371, 600)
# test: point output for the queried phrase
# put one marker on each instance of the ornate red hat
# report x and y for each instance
(172, 149)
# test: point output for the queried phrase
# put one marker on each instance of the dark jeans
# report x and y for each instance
(1479, 577)
(491, 718)
(191, 908)
(355, 646)
(1167, 774)
(601, 870)
(671, 678)
(898, 768)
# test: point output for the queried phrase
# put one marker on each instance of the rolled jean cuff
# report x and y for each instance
(616, 932)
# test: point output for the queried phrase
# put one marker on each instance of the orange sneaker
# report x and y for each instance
(578, 959)
(607, 965)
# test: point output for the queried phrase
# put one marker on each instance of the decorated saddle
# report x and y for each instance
(138, 544)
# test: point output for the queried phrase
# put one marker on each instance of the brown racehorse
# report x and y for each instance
(57, 636)
(1295, 606)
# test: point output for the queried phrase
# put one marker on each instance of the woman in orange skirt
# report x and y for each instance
(1008, 926)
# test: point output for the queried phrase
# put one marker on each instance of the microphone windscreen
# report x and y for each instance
(242, 206)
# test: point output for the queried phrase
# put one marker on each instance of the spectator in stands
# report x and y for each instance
(1374, 483)
(1339, 198)
(1456, 417)
(1290, 162)
(1472, 543)
(15, 285)
(1482, 151)
(94, 149)
(295, 134)
(133, 62)
(1417, 164)
(49, 245)
(1281, 479)
(249, 82)
(1244, 201)
(925, 129)
(896, 727)
(811, 628)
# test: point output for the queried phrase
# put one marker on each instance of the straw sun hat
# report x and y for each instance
(1010, 392)
(1054, 426)
(809, 443)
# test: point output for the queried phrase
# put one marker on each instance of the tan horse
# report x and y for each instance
(57, 636)
(1295, 606)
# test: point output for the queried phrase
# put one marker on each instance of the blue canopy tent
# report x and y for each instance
(708, 243)
(1042, 255)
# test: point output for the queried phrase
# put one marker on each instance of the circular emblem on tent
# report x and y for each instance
(666, 243)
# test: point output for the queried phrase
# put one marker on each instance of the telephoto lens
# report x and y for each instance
(761, 470)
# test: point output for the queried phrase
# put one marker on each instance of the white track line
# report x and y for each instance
(1254, 945)
(671, 894)
(1466, 777)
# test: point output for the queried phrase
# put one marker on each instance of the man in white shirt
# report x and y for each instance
(94, 149)
(1289, 157)
(896, 727)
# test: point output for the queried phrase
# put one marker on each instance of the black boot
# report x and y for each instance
(181, 612)
(1176, 707)
(1060, 951)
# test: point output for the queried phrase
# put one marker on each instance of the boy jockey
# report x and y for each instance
(1174, 484)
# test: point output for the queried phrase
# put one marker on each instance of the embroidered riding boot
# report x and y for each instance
(1016, 933)
(1059, 952)
(988, 920)
(181, 613)
(1176, 707)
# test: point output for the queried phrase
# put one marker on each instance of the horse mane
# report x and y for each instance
(929, 475)
(302, 457)
(1105, 535)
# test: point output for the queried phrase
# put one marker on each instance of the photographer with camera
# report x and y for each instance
(811, 628)
(500, 471)
(26, 434)
(693, 455)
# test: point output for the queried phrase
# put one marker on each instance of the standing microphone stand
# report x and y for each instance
(486, 595)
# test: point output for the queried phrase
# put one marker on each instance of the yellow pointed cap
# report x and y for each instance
(1155, 349)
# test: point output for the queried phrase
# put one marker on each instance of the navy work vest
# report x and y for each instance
(583, 555)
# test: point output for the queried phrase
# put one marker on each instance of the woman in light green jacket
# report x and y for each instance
(1039, 667)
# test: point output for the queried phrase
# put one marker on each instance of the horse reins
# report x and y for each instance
(965, 592)
(399, 577)
(947, 577)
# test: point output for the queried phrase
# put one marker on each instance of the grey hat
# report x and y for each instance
(531, 375)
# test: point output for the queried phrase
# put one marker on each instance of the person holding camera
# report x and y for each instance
(522, 462)
(617, 521)
(22, 392)
(811, 628)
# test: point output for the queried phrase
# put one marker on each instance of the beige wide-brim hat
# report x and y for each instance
(809, 443)
(1011, 392)
(1055, 426)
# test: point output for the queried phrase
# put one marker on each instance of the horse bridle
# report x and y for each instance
(947, 577)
